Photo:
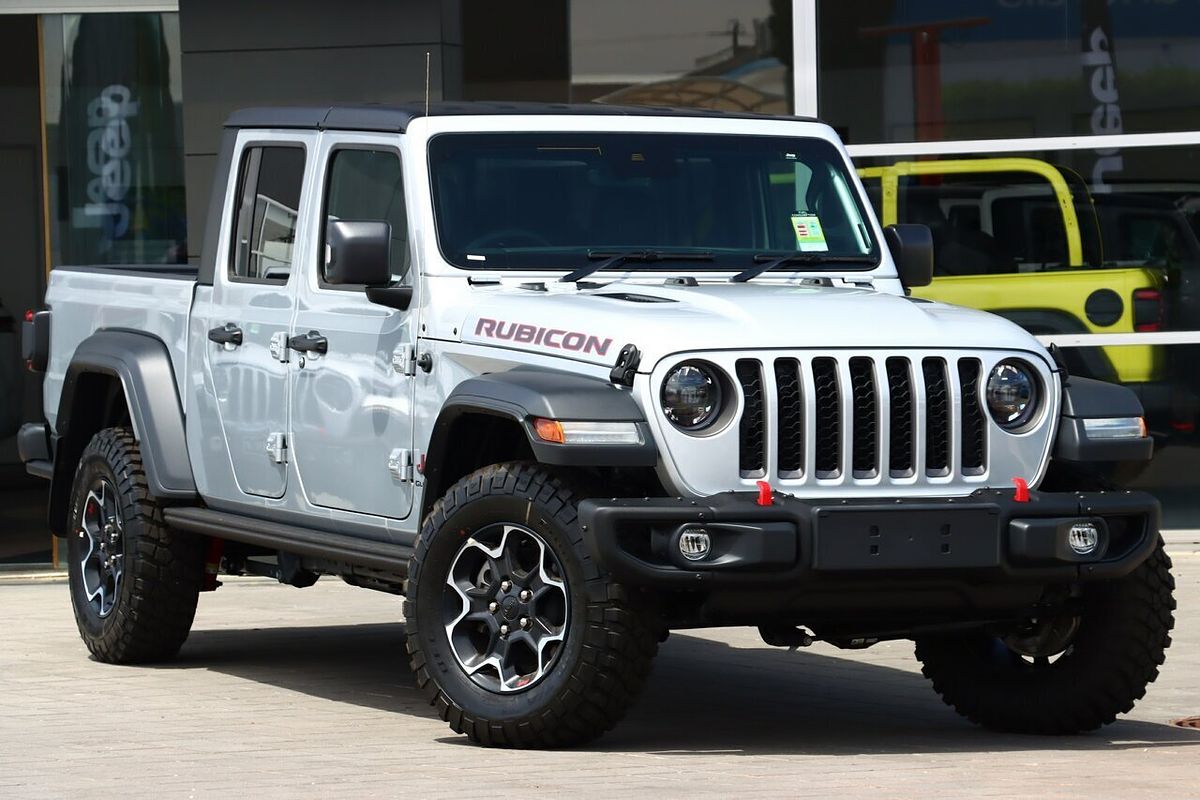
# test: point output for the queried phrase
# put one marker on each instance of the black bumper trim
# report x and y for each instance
(985, 538)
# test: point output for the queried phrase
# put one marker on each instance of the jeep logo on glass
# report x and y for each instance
(109, 142)
(546, 337)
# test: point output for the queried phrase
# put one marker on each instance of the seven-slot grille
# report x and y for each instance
(864, 417)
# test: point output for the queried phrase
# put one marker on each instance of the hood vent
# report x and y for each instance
(630, 297)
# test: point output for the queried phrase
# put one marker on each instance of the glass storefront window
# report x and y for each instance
(733, 55)
(114, 133)
(929, 70)
(1027, 236)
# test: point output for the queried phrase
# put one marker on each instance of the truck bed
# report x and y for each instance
(153, 298)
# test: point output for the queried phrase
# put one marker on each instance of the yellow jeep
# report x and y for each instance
(1030, 249)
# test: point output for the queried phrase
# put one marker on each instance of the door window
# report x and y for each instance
(267, 209)
(367, 185)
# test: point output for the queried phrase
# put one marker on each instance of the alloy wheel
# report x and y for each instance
(506, 607)
(102, 534)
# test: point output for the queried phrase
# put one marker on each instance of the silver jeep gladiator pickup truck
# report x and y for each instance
(568, 378)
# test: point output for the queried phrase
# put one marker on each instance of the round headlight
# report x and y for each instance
(691, 397)
(1012, 394)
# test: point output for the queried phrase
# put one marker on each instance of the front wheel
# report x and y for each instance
(1067, 673)
(514, 633)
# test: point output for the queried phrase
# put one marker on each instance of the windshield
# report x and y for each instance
(556, 200)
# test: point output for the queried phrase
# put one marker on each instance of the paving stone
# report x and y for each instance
(282, 691)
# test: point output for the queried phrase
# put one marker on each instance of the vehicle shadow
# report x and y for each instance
(703, 696)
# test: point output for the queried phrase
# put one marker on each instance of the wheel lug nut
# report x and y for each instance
(504, 630)
(524, 622)
(493, 606)
(525, 595)
(505, 585)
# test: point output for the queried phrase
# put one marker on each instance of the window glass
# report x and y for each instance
(268, 201)
(367, 185)
(113, 95)
(732, 55)
(1033, 223)
(558, 200)
(1129, 264)
(929, 70)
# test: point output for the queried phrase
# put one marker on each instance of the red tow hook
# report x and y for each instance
(766, 496)
(1021, 495)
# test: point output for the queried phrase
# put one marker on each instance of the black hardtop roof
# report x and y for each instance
(396, 118)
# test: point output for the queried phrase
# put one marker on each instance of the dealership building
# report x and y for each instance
(1052, 146)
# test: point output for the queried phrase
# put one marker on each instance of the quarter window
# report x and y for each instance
(268, 204)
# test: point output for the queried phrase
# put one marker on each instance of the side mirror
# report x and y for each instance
(358, 253)
(912, 250)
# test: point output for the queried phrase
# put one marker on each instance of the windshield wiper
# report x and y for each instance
(766, 262)
(613, 259)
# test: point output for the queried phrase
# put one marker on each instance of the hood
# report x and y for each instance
(594, 324)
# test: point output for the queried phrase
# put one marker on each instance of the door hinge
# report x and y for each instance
(400, 465)
(279, 346)
(404, 360)
(277, 448)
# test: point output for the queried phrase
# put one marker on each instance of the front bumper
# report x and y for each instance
(985, 538)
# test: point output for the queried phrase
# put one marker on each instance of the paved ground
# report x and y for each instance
(285, 692)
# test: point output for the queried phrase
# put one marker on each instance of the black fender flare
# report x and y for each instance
(1084, 398)
(525, 394)
(142, 365)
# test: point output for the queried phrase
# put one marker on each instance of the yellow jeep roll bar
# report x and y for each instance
(890, 182)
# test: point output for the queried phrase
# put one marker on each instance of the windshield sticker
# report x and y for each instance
(809, 235)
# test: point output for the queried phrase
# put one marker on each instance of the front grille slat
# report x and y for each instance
(973, 422)
(752, 450)
(901, 455)
(859, 418)
(789, 390)
(827, 408)
(865, 424)
(937, 417)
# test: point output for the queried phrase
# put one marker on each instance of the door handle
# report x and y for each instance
(311, 342)
(228, 334)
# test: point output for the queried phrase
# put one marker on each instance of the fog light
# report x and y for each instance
(1083, 537)
(694, 544)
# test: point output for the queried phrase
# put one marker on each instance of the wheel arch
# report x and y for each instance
(116, 377)
(495, 414)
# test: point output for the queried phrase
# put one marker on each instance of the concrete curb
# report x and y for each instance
(33, 576)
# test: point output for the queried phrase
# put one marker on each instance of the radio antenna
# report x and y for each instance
(427, 83)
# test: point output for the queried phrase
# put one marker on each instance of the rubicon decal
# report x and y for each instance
(545, 337)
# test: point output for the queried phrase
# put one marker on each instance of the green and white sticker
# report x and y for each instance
(809, 235)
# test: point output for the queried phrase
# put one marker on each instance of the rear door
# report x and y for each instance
(253, 304)
(352, 420)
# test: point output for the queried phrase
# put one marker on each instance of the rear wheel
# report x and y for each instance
(1066, 673)
(134, 581)
(515, 634)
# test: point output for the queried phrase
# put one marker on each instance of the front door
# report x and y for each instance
(352, 405)
(252, 309)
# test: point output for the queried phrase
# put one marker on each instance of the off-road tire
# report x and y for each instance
(1124, 631)
(155, 601)
(609, 645)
